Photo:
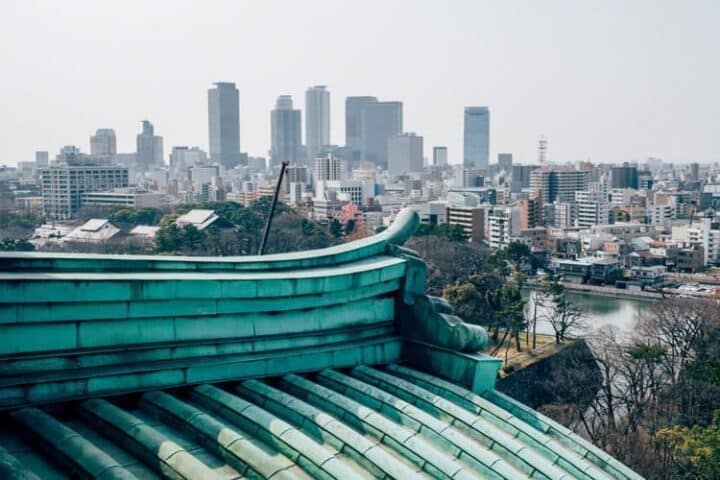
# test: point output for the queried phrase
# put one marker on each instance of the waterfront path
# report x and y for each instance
(601, 290)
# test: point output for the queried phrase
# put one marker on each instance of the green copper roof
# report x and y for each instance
(330, 363)
(366, 422)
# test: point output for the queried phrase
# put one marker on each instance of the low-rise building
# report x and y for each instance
(125, 197)
(96, 230)
(198, 218)
(470, 219)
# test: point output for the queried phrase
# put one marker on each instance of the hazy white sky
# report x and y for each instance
(602, 79)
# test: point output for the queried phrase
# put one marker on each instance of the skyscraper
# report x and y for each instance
(405, 154)
(379, 121)
(285, 132)
(149, 148)
(317, 120)
(103, 143)
(353, 125)
(224, 124)
(476, 144)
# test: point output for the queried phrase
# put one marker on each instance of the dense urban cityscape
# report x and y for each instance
(355, 240)
(591, 222)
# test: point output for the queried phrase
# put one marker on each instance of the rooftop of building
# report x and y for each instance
(330, 363)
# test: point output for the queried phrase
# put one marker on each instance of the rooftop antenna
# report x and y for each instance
(268, 221)
(542, 150)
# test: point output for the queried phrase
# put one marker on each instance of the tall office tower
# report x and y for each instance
(329, 167)
(353, 125)
(476, 143)
(224, 124)
(405, 154)
(149, 153)
(42, 159)
(103, 143)
(379, 122)
(440, 156)
(72, 174)
(625, 176)
(558, 184)
(505, 162)
(285, 132)
(317, 120)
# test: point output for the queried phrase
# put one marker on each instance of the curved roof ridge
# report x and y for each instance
(397, 233)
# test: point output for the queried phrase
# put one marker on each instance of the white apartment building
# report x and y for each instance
(358, 192)
(66, 180)
(503, 225)
(125, 197)
(661, 214)
(565, 214)
(329, 167)
(620, 197)
(592, 208)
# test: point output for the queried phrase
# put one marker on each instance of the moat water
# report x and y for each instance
(599, 311)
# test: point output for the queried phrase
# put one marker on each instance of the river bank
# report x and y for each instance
(603, 291)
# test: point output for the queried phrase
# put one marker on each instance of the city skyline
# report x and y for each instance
(639, 94)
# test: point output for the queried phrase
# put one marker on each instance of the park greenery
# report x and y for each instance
(239, 231)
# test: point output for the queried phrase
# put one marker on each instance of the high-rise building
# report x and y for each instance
(286, 132)
(476, 143)
(521, 177)
(405, 154)
(694, 171)
(328, 167)
(593, 208)
(183, 158)
(503, 224)
(65, 180)
(149, 148)
(505, 162)
(558, 184)
(224, 124)
(440, 158)
(625, 176)
(203, 174)
(379, 122)
(531, 212)
(42, 158)
(353, 125)
(474, 177)
(317, 120)
(103, 143)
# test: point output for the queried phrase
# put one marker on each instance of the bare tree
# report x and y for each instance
(565, 316)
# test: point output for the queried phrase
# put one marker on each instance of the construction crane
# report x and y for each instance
(268, 220)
